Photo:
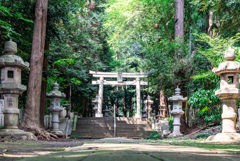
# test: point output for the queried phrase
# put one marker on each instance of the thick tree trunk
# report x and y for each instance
(31, 119)
(44, 86)
(179, 20)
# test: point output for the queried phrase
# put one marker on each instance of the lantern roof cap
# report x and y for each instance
(229, 66)
(11, 60)
(55, 93)
(177, 97)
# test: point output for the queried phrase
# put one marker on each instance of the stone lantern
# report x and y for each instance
(228, 93)
(11, 66)
(106, 112)
(177, 111)
(162, 111)
(148, 104)
(144, 113)
(95, 108)
(55, 108)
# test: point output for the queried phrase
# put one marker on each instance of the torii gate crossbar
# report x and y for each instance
(101, 82)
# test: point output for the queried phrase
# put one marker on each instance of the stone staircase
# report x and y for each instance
(97, 128)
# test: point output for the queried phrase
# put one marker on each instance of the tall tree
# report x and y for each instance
(179, 21)
(31, 120)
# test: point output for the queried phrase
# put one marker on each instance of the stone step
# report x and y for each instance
(117, 118)
(118, 128)
(111, 122)
(104, 127)
(91, 133)
(111, 130)
(111, 126)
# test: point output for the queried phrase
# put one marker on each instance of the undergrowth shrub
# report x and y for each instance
(170, 119)
(202, 135)
(154, 136)
(75, 137)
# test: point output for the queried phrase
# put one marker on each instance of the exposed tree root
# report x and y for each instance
(40, 133)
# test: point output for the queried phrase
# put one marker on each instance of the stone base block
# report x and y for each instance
(58, 133)
(63, 126)
(98, 115)
(162, 127)
(225, 137)
(16, 133)
(174, 135)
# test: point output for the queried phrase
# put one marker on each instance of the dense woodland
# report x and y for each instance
(121, 36)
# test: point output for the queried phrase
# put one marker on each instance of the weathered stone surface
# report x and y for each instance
(55, 108)
(162, 127)
(1, 112)
(95, 108)
(10, 88)
(106, 112)
(7, 137)
(225, 137)
(63, 114)
(23, 137)
(229, 92)
(177, 111)
(148, 103)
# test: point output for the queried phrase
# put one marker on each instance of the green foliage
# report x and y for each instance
(202, 135)
(75, 137)
(207, 104)
(170, 119)
(214, 48)
(154, 136)
(204, 98)
(1, 127)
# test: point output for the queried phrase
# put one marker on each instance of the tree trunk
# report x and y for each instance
(31, 119)
(210, 23)
(44, 86)
(179, 20)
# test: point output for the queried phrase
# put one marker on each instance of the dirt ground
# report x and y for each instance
(111, 149)
(10, 149)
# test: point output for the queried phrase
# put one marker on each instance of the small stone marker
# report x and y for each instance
(1, 112)
(106, 112)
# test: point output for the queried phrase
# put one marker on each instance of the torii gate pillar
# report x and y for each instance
(138, 114)
(100, 98)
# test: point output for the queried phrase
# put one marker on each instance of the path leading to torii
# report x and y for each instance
(119, 149)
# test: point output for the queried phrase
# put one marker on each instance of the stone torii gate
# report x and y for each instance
(119, 82)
